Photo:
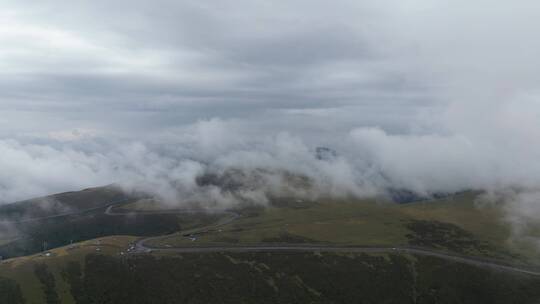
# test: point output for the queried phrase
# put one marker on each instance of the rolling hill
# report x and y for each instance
(129, 249)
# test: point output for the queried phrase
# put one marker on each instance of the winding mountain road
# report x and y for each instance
(142, 247)
(78, 212)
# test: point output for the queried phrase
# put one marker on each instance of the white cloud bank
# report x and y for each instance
(421, 95)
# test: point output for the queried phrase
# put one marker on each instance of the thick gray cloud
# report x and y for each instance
(423, 95)
(190, 59)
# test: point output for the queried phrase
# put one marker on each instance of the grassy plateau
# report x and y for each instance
(91, 256)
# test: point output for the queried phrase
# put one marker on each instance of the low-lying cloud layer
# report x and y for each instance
(362, 162)
(417, 95)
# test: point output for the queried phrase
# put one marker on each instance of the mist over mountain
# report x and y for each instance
(356, 97)
(255, 151)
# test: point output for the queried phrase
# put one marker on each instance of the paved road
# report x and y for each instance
(112, 212)
(78, 212)
(141, 247)
(230, 217)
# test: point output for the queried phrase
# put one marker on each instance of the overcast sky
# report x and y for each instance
(105, 67)
(427, 95)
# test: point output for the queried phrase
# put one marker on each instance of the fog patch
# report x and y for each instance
(521, 210)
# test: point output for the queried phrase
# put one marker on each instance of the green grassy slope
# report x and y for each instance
(22, 270)
(82, 273)
(62, 203)
(453, 224)
(32, 236)
(87, 277)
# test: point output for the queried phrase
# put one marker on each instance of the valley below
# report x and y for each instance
(102, 245)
